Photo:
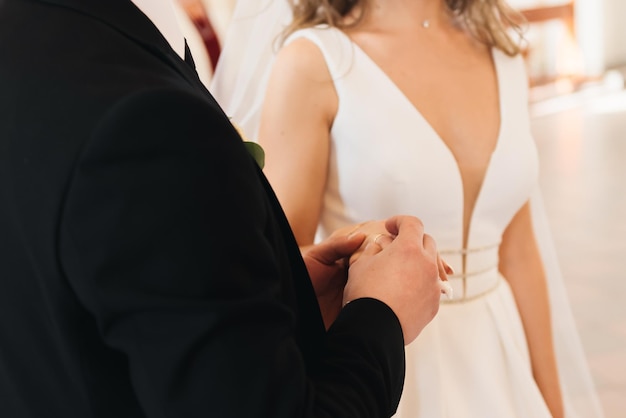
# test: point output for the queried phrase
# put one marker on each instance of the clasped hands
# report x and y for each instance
(393, 261)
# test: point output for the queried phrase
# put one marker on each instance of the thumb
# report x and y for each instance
(409, 225)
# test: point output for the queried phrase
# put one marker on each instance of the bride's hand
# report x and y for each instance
(376, 233)
(373, 231)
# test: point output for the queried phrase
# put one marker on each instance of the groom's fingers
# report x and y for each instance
(410, 227)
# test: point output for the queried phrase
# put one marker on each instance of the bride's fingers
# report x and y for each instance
(370, 246)
(376, 243)
(446, 289)
(443, 274)
(382, 240)
(444, 268)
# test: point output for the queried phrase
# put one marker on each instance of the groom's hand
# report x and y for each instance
(327, 263)
(402, 269)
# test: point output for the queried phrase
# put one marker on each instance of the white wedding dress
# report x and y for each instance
(472, 360)
(385, 159)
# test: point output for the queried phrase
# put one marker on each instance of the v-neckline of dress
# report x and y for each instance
(415, 110)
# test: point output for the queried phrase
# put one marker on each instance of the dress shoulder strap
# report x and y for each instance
(336, 47)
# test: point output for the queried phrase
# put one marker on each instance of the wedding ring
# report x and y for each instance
(376, 239)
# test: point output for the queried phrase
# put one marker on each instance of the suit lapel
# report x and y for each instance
(188, 57)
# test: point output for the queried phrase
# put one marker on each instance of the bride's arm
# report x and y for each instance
(298, 111)
(521, 265)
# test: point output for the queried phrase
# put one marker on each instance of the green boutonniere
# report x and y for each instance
(255, 150)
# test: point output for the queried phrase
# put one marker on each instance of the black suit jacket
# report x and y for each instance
(146, 268)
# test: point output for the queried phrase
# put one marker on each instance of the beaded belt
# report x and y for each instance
(483, 281)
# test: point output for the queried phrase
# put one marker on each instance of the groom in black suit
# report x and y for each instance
(146, 268)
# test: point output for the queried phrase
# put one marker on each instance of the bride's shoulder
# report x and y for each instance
(301, 57)
(319, 45)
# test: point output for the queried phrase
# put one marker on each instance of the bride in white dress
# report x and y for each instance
(420, 107)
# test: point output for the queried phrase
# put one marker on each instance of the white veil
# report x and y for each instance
(239, 86)
(245, 62)
(581, 400)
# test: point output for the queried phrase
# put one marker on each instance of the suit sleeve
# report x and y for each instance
(166, 241)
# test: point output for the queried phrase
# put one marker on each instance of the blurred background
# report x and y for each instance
(576, 58)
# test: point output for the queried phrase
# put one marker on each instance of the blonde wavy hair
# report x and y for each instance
(488, 21)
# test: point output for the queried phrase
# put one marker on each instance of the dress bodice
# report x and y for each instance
(386, 159)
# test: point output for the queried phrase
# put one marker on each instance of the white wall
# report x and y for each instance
(590, 17)
(601, 25)
(614, 32)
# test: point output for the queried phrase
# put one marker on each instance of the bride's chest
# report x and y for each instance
(395, 163)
